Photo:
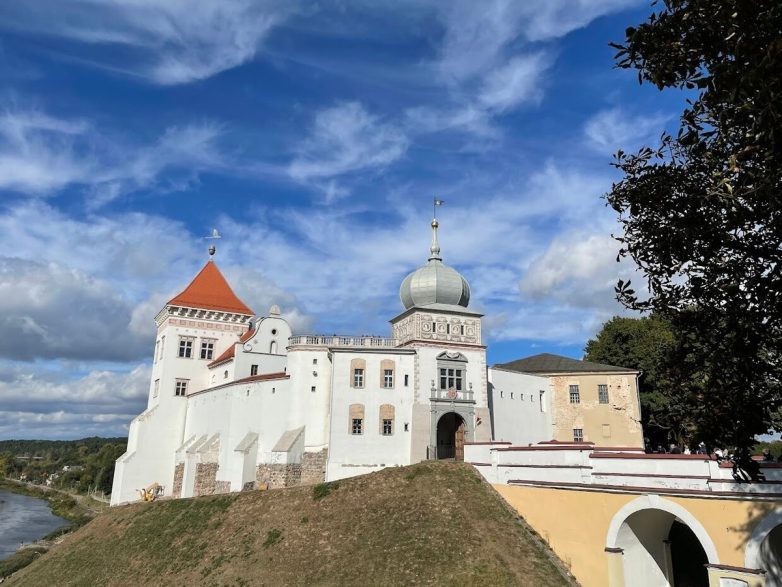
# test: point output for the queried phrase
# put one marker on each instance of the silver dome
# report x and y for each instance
(435, 282)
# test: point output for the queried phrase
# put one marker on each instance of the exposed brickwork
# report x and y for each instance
(249, 486)
(205, 479)
(313, 467)
(223, 487)
(279, 475)
(179, 473)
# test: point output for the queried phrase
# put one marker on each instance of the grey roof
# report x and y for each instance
(435, 282)
(549, 363)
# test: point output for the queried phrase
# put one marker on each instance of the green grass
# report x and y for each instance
(432, 523)
(20, 559)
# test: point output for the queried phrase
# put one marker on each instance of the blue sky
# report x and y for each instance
(314, 137)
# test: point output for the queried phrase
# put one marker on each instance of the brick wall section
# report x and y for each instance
(279, 475)
(313, 467)
(223, 487)
(179, 473)
(205, 479)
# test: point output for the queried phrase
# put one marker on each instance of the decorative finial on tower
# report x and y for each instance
(214, 236)
(435, 248)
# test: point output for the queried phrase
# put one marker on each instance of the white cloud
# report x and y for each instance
(613, 129)
(57, 406)
(516, 82)
(347, 138)
(170, 41)
(41, 154)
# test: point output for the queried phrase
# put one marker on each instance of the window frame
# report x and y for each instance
(574, 393)
(185, 347)
(602, 393)
(253, 370)
(387, 427)
(357, 426)
(388, 378)
(180, 387)
(359, 377)
(207, 350)
(578, 435)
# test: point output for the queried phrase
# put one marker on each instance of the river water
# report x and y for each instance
(24, 519)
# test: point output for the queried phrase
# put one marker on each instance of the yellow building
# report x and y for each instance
(589, 402)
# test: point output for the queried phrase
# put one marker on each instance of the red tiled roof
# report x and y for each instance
(225, 356)
(210, 291)
(247, 335)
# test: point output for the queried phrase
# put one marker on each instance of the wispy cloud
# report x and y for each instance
(41, 154)
(346, 138)
(613, 129)
(170, 42)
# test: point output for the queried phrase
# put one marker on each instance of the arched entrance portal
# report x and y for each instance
(450, 437)
(654, 541)
(764, 548)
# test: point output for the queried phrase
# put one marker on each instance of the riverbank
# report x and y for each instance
(77, 510)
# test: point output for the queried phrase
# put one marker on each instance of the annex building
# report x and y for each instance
(236, 400)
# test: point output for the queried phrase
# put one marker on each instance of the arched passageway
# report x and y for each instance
(659, 549)
(764, 548)
(450, 437)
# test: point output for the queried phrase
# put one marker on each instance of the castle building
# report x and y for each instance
(236, 400)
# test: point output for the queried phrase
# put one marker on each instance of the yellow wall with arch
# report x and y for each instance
(576, 522)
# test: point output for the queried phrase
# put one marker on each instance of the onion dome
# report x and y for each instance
(435, 282)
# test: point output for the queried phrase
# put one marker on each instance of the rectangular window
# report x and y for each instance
(357, 427)
(602, 393)
(162, 345)
(253, 370)
(181, 387)
(388, 378)
(185, 347)
(358, 378)
(406, 380)
(451, 379)
(312, 389)
(157, 351)
(462, 329)
(207, 349)
(314, 361)
(541, 400)
(388, 427)
(156, 389)
(578, 435)
(575, 395)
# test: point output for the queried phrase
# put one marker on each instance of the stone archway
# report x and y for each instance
(659, 543)
(450, 436)
(764, 548)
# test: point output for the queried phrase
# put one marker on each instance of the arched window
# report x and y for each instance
(356, 419)
(387, 419)
(358, 373)
(273, 348)
(387, 373)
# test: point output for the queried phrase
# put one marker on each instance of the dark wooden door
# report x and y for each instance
(460, 442)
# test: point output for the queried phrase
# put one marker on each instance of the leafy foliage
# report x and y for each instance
(702, 212)
(644, 344)
(90, 461)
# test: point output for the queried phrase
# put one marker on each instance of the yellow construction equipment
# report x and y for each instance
(151, 493)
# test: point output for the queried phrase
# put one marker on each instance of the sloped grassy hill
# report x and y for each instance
(432, 523)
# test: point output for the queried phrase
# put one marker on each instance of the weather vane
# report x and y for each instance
(214, 236)
(437, 202)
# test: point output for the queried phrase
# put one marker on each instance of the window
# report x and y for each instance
(502, 394)
(541, 398)
(312, 389)
(157, 351)
(207, 348)
(407, 380)
(185, 347)
(575, 395)
(162, 345)
(273, 347)
(511, 395)
(156, 388)
(602, 393)
(225, 374)
(462, 329)
(181, 387)
(358, 378)
(386, 419)
(314, 361)
(357, 371)
(451, 378)
(578, 435)
(356, 419)
(387, 427)
(388, 378)
(253, 370)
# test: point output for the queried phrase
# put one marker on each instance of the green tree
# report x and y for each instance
(644, 344)
(702, 211)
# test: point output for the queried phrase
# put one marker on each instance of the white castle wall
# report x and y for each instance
(520, 407)
(351, 454)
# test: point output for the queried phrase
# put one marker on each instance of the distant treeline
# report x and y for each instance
(78, 465)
